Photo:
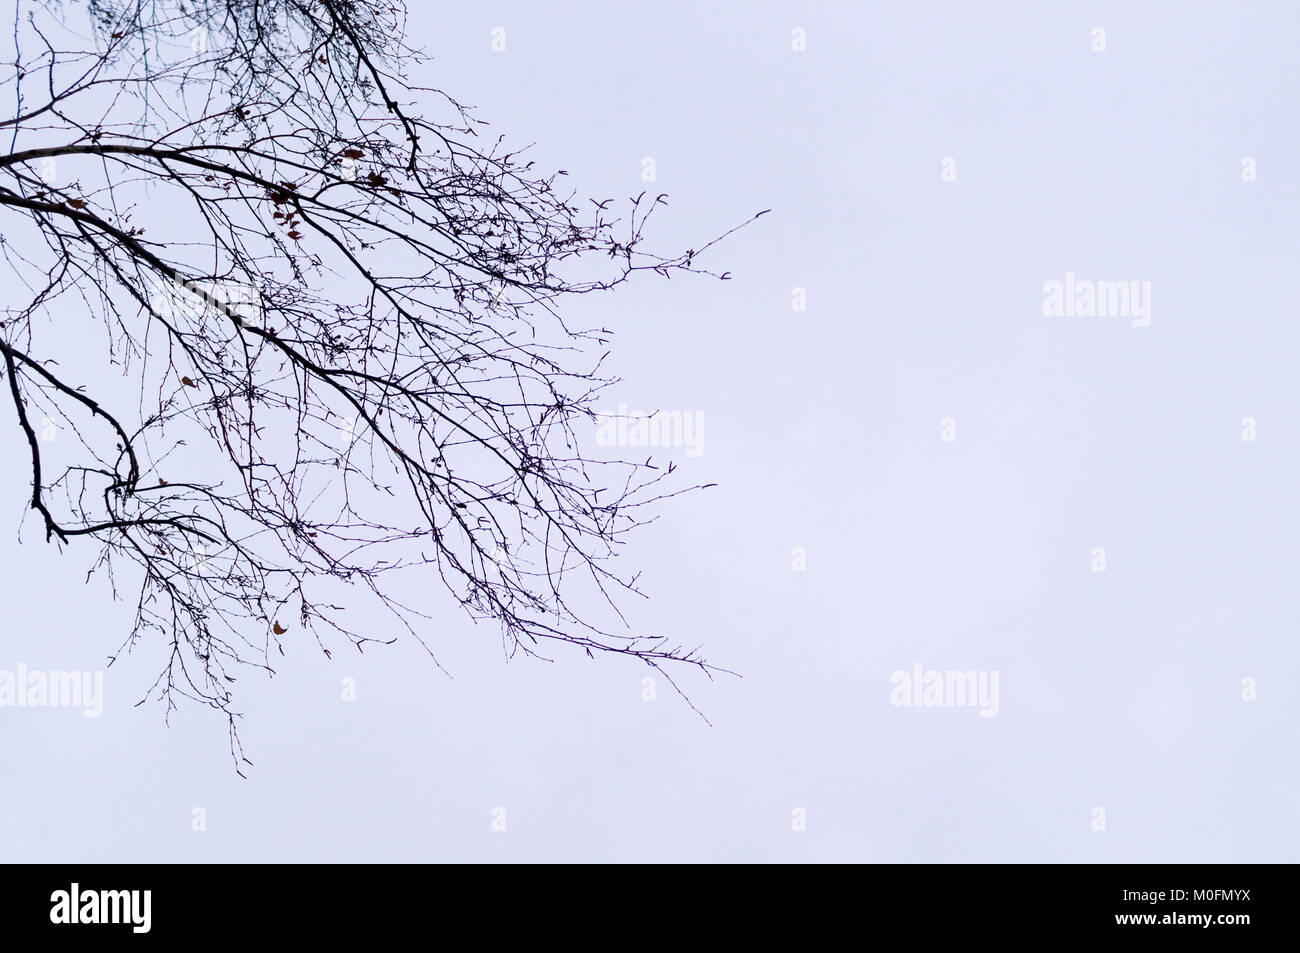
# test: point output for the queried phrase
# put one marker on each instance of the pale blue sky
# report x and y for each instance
(1120, 690)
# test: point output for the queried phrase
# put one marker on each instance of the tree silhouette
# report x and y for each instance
(333, 356)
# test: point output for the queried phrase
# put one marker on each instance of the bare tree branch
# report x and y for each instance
(341, 321)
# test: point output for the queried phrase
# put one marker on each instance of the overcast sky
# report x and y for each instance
(921, 468)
